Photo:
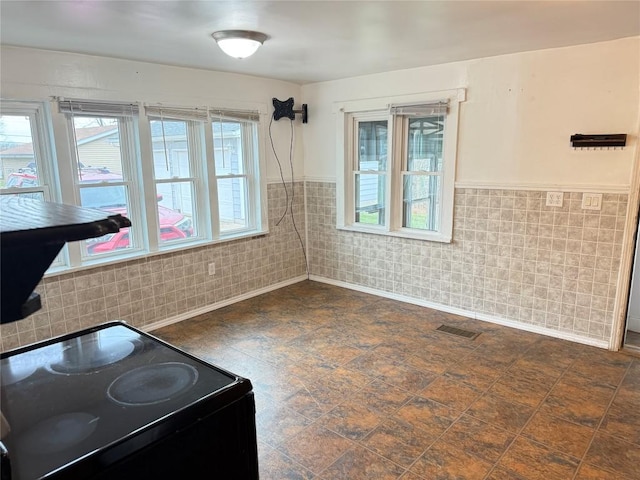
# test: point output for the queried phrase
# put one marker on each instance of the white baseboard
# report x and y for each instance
(215, 306)
(468, 313)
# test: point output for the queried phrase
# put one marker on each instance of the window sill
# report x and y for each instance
(140, 254)
(403, 233)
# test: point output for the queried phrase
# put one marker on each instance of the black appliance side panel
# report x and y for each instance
(220, 446)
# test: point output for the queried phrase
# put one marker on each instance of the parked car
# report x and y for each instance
(115, 241)
(111, 198)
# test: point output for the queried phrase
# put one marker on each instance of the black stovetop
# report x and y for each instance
(70, 397)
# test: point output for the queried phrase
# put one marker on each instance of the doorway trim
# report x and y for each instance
(625, 272)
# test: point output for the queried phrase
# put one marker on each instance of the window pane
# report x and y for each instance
(227, 148)
(232, 203)
(111, 199)
(372, 145)
(31, 195)
(176, 211)
(108, 243)
(17, 160)
(370, 198)
(98, 147)
(170, 149)
(421, 204)
(424, 152)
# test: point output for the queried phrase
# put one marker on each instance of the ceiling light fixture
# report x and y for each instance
(239, 43)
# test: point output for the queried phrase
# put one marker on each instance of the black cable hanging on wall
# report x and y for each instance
(284, 109)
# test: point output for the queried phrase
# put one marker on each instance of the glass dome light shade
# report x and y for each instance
(239, 43)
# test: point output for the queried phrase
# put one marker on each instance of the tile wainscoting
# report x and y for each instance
(148, 290)
(512, 258)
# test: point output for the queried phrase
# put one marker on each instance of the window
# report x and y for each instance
(397, 165)
(104, 155)
(184, 176)
(178, 159)
(234, 144)
(371, 171)
(207, 172)
(26, 154)
(25, 150)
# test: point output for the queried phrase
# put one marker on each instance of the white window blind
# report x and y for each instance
(202, 114)
(419, 110)
(239, 115)
(199, 114)
(79, 107)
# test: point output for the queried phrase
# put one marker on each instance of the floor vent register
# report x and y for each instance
(458, 331)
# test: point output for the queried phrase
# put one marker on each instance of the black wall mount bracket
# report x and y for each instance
(284, 108)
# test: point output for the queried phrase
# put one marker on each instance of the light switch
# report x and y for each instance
(591, 201)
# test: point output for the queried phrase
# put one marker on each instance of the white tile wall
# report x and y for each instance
(511, 257)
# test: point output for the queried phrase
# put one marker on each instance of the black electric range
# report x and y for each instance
(113, 402)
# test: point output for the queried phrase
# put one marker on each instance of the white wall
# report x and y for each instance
(37, 75)
(520, 111)
(633, 313)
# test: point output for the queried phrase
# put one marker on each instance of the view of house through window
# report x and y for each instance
(174, 178)
(18, 161)
(231, 166)
(25, 154)
(396, 172)
(422, 174)
(104, 170)
(371, 172)
(100, 177)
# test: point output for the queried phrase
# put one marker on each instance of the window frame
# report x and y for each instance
(250, 167)
(44, 154)
(129, 156)
(43, 150)
(196, 154)
(356, 119)
(347, 116)
(57, 172)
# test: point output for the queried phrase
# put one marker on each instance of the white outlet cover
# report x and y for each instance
(591, 201)
(554, 199)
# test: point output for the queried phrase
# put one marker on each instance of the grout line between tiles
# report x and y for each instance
(533, 414)
(595, 432)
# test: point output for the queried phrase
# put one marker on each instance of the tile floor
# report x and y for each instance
(632, 339)
(352, 386)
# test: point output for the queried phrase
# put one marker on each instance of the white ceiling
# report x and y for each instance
(313, 41)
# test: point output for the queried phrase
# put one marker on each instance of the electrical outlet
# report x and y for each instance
(591, 201)
(212, 268)
(554, 199)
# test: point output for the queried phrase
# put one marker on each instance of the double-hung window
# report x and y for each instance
(103, 170)
(235, 153)
(178, 149)
(27, 168)
(206, 174)
(396, 167)
(25, 151)
(184, 176)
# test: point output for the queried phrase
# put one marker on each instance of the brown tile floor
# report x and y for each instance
(632, 339)
(352, 386)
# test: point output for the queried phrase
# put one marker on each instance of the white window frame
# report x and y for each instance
(347, 116)
(44, 156)
(251, 168)
(42, 147)
(54, 143)
(130, 155)
(196, 123)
